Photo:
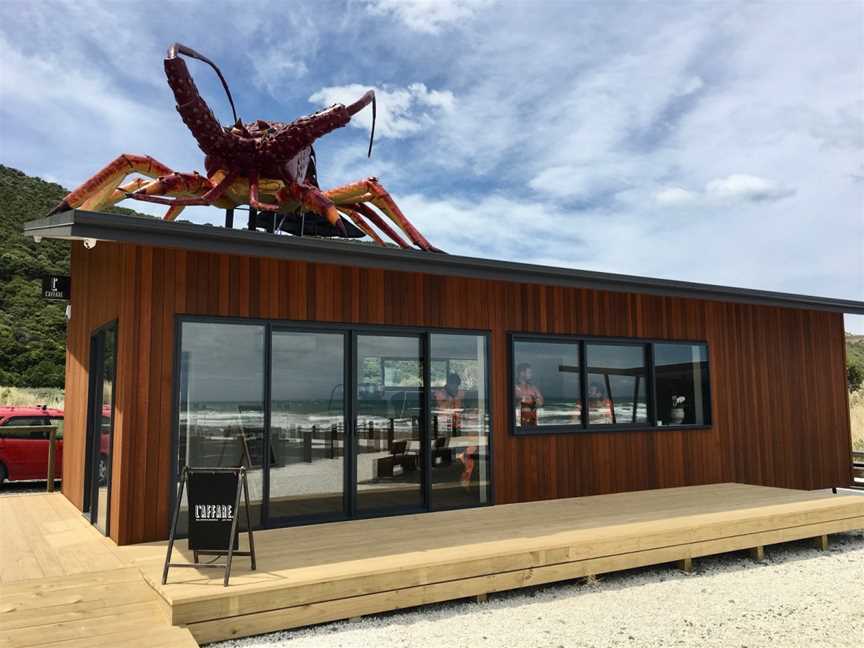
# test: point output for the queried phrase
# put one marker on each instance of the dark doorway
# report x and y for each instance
(100, 426)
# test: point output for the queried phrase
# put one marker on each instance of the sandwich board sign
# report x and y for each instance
(214, 509)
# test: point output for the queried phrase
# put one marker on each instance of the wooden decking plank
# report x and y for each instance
(77, 606)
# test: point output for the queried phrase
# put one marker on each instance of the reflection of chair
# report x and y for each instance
(442, 454)
(399, 456)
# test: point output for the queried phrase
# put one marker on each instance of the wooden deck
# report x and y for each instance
(320, 573)
(63, 585)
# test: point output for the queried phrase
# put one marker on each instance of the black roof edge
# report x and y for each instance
(144, 230)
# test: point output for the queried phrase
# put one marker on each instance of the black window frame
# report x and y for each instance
(584, 427)
(351, 330)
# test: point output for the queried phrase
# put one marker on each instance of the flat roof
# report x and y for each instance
(145, 230)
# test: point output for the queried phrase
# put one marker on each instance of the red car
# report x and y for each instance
(24, 442)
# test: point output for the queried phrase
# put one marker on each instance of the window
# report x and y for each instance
(460, 440)
(24, 427)
(616, 384)
(307, 431)
(221, 401)
(26, 421)
(546, 384)
(682, 384)
(564, 384)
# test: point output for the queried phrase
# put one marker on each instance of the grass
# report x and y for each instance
(25, 396)
(856, 416)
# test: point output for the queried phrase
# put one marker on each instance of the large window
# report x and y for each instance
(623, 384)
(336, 422)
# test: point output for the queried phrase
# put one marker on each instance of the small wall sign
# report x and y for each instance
(56, 287)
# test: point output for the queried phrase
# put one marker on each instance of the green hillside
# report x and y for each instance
(32, 329)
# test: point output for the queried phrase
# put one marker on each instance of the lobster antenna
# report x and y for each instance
(372, 134)
(178, 48)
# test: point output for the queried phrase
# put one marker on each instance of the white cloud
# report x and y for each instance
(428, 16)
(402, 112)
(742, 187)
(676, 196)
(583, 182)
(735, 188)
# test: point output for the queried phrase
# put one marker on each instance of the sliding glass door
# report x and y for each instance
(334, 422)
(307, 424)
(389, 405)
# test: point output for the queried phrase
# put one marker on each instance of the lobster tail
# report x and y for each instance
(194, 111)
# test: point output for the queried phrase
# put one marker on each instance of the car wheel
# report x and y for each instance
(3, 474)
(102, 470)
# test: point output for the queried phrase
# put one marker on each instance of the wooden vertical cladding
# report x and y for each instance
(780, 415)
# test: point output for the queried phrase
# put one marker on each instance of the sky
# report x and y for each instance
(714, 142)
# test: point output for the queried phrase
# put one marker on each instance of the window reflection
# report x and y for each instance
(307, 424)
(617, 393)
(221, 421)
(682, 384)
(106, 407)
(389, 423)
(460, 421)
(546, 384)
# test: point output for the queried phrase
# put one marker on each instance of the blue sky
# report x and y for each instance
(717, 142)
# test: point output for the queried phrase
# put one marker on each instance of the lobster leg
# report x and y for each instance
(362, 224)
(317, 201)
(380, 223)
(370, 190)
(97, 192)
(203, 190)
(122, 191)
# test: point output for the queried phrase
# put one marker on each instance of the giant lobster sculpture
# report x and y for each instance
(269, 166)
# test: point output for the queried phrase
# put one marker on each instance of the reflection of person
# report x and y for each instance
(449, 400)
(527, 395)
(467, 458)
(599, 408)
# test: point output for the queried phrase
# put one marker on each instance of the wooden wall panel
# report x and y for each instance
(778, 383)
(95, 301)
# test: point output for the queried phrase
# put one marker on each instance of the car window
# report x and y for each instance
(57, 421)
(19, 421)
(24, 427)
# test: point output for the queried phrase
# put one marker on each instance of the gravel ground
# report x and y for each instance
(798, 597)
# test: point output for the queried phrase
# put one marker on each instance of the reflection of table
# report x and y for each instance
(400, 456)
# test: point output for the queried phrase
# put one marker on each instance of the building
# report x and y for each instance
(362, 381)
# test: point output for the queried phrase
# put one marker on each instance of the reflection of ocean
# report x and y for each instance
(570, 413)
(213, 432)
